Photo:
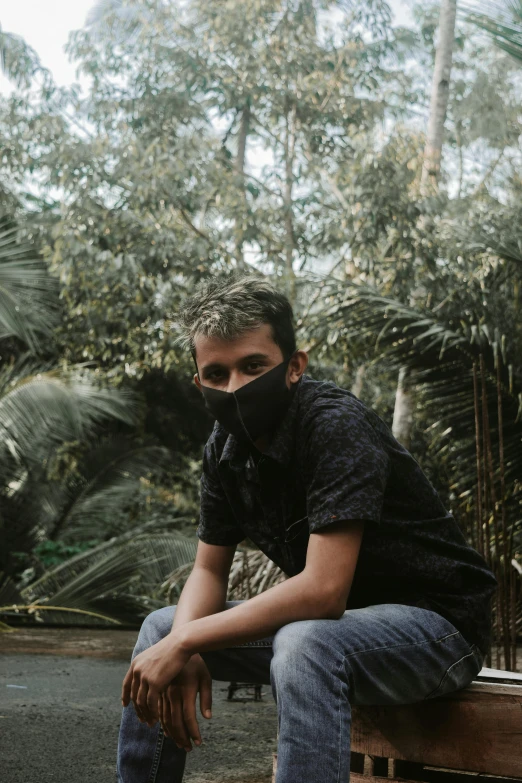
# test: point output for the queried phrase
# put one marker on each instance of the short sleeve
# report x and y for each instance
(217, 524)
(347, 466)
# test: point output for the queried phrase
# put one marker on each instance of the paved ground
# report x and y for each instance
(62, 727)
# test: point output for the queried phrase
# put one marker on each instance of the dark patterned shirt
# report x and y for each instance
(333, 458)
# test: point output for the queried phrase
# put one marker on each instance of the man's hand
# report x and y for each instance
(178, 703)
(149, 675)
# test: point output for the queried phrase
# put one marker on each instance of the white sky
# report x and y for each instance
(46, 24)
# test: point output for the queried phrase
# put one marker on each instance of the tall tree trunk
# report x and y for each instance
(240, 166)
(289, 152)
(359, 380)
(403, 415)
(439, 97)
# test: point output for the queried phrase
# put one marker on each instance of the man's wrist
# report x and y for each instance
(183, 639)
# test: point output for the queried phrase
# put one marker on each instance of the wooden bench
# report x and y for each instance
(474, 731)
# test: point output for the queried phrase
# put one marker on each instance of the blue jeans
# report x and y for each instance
(382, 654)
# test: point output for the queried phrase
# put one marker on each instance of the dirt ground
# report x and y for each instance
(61, 723)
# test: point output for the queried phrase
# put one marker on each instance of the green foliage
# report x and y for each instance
(53, 471)
(51, 553)
(268, 136)
(18, 60)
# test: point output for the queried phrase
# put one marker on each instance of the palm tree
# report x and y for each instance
(49, 411)
(468, 372)
(465, 352)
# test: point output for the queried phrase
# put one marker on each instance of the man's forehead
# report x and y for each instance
(256, 341)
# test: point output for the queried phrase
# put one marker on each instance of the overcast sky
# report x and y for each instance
(46, 24)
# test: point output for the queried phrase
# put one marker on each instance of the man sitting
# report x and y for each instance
(385, 602)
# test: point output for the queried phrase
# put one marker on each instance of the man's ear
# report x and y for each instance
(297, 366)
(197, 381)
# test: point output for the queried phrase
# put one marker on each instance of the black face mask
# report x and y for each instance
(256, 408)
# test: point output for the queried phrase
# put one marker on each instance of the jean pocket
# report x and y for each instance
(460, 674)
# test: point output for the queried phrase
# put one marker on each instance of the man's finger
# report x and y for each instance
(189, 715)
(179, 731)
(164, 708)
(134, 699)
(151, 700)
(205, 696)
(141, 699)
(135, 686)
(161, 712)
(126, 687)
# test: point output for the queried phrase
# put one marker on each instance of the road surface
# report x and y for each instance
(60, 725)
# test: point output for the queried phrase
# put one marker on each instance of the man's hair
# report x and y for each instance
(227, 307)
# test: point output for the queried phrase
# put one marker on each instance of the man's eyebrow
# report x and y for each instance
(250, 357)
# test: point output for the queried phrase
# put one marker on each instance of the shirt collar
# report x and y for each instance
(281, 446)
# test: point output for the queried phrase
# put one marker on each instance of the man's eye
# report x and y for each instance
(215, 375)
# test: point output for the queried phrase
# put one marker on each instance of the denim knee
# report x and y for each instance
(155, 627)
(298, 648)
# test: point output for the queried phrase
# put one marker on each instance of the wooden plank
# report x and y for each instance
(477, 729)
(445, 776)
(356, 777)
(482, 690)
(494, 675)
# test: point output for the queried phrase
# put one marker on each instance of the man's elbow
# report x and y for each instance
(332, 604)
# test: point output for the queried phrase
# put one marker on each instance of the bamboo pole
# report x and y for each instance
(499, 569)
(508, 630)
(513, 601)
(482, 514)
(479, 518)
(485, 501)
(489, 482)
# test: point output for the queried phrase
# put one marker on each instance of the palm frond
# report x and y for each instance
(123, 21)
(99, 11)
(29, 307)
(37, 610)
(39, 401)
(119, 579)
(251, 573)
(504, 241)
(106, 477)
(501, 20)
(440, 354)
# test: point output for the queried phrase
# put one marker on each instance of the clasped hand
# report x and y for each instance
(150, 674)
(175, 702)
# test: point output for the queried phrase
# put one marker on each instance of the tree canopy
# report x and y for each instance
(286, 138)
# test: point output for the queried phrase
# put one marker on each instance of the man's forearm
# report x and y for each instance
(298, 598)
(204, 594)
